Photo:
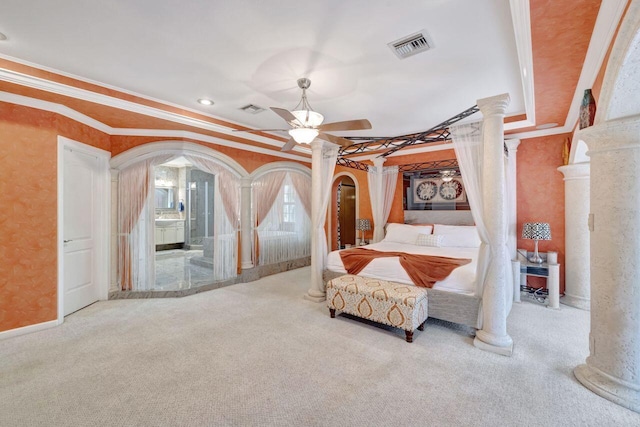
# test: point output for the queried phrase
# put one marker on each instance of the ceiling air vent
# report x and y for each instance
(411, 45)
(252, 109)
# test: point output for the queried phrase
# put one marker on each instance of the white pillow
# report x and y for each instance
(434, 240)
(405, 233)
(458, 236)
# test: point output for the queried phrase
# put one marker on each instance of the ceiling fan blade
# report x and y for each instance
(260, 130)
(335, 139)
(360, 124)
(285, 114)
(289, 145)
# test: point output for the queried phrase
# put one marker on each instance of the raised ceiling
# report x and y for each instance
(243, 51)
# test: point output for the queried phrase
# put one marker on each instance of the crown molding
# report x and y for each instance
(161, 133)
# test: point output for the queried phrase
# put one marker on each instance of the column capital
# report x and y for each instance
(317, 144)
(378, 162)
(576, 171)
(512, 145)
(494, 105)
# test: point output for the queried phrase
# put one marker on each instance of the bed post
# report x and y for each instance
(246, 223)
(316, 292)
(493, 335)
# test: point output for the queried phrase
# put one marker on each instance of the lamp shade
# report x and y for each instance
(363, 224)
(303, 135)
(536, 231)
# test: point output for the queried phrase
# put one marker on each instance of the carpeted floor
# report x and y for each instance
(259, 354)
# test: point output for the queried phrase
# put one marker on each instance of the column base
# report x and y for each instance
(488, 342)
(617, 391)
(315, 296)
(577, 302)
(246, 265)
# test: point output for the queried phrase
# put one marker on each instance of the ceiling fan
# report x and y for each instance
(306, 124)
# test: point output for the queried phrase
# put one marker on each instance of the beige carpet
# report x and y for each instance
(258, 354)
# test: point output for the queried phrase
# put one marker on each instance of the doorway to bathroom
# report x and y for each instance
(184, 225)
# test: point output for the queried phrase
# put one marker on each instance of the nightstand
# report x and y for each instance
(549, 271)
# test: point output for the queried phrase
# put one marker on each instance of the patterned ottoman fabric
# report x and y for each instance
(393, 304)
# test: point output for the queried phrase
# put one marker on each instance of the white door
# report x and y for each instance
(80, 212)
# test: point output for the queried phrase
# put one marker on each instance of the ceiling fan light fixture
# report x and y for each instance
(308, 118)
(303, 135)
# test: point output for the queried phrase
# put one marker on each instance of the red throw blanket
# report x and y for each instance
(424, 270)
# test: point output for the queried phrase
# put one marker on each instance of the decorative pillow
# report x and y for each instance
(458, 236)
(405, 233)
(434, 240)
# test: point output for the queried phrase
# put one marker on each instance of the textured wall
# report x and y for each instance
(541, 194)
(28, 219)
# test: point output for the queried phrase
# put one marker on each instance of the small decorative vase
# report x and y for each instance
(587, 109)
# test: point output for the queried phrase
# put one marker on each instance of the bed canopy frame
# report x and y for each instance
(487, 149)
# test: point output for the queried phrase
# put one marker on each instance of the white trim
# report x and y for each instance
(151, 149)
(86, 120)
(102, 223)
(28, 329)
(605, 27)
(521, 18)
(284, 166)
(330, 206)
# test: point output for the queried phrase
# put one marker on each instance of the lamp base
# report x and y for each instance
(536, 257)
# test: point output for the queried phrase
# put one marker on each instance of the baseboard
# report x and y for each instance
(27, 329)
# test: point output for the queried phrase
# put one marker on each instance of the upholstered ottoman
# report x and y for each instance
(393, 304)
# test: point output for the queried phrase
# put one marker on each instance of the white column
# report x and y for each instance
(378, 211)
(493, 335)
(246, 223)
(612, 369)
(512, 206)
(577, 261)
(316, 291)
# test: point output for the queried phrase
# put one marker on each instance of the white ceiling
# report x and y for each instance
(248, 51)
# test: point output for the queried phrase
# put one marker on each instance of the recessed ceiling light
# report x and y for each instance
(2, 37)
(205, 101)
(547, 126)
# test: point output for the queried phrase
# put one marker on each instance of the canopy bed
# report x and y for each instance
(484, 299)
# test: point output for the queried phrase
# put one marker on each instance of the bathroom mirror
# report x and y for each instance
(165, 198)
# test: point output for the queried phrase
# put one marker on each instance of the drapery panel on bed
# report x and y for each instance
(469, 148)
(319, 216)
(282, 218)
(382, 187)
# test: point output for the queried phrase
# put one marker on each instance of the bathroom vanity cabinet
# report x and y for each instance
(169, 231)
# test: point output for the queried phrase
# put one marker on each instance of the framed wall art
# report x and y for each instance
(435, 190)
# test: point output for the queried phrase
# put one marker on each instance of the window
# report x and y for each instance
(288, 206)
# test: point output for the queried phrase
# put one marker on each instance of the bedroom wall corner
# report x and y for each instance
(540, 189)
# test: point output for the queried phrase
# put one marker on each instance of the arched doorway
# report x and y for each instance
(344, 213)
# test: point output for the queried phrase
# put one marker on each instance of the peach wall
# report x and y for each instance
(540, 189)
(28, 225)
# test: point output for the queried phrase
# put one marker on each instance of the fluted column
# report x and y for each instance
(246, 223)
(316, 291)
(493, 335)
(512, 206)
(378, 210)
(612, 369)
(576, 231)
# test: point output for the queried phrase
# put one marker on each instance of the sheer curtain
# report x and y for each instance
(136, 222)
(284, 233)
(226, 222)
(468, 145)
(382, 187)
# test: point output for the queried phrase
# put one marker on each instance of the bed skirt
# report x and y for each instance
(443, 305)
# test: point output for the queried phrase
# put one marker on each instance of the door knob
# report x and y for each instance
(67, 241)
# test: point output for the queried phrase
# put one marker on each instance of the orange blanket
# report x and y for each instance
(424, 270)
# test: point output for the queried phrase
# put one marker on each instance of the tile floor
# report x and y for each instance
(174, 271)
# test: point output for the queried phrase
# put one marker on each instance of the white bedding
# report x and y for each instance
(461, 280)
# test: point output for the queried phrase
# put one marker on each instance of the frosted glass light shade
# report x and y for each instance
(303, 135)
(308, 118)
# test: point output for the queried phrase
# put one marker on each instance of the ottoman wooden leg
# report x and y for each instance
(332, 312)
(421, 327)
(409, 335)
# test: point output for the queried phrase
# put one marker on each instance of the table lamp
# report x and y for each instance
(536, 231)
(363, 225)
